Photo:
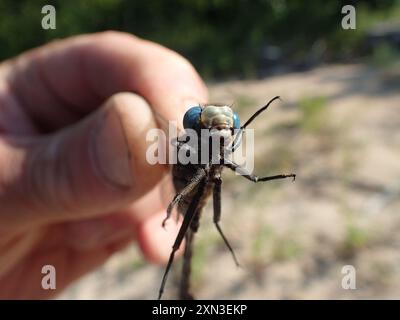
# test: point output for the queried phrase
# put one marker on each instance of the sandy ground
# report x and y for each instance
(338, 128)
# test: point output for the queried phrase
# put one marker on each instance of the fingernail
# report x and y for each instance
(111, 151)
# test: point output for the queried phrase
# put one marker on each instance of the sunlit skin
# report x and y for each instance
(75, 186)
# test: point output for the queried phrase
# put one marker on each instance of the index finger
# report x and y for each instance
(74, 76)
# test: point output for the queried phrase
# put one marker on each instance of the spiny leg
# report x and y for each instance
(238, 136)
(200, 174)
(184, 293)
(190, 213)
(257, 113)
(243, 172)
(217, 215)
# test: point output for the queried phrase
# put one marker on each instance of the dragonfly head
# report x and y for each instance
(210, 116)
(219, 119)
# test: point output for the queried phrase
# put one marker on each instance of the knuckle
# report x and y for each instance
(121, 100)
(49, 181)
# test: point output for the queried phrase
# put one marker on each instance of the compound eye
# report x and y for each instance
(192, 117)
(236, 121)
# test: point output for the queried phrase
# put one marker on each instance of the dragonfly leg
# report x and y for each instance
(184, 290)
(217, 215)
(238, 136)
(243, 172)
(257, 113)
(178, 197)
(190, 213)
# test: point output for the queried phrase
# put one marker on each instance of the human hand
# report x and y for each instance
(75, 186)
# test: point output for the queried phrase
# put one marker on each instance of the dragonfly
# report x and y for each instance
(194, 183)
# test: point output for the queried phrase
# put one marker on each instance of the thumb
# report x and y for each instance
(92, 167)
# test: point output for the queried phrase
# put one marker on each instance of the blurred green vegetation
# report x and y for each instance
(286, 249)
(220, 37)
(269, 247)
(201, 250)
(385, 56)
(313, 113)
(356, 238)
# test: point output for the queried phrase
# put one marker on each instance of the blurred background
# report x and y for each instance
(337, 128)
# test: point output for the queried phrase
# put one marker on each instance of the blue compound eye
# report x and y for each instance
(236, 121)
(192, 117)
